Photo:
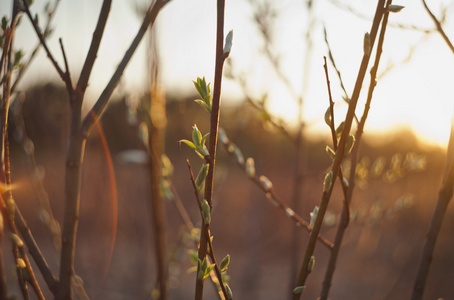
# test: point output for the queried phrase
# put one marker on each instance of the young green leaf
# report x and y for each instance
(196, 136)
(225, 263)
(340, 129)
(189, 143)
(328, 116)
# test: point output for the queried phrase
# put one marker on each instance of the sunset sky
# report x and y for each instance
(418, 94)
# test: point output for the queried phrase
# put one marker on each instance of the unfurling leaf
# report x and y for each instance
(330, 152)
(196, 136)
(225, 263)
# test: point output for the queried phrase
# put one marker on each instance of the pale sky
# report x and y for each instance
(418, 95)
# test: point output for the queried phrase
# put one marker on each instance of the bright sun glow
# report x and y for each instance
(416, 93)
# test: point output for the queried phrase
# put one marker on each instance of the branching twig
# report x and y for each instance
(439, 27)
(207, 233)
(305, 270)
(274, 198)
(214, 125)
(444, 197)
(345, 215)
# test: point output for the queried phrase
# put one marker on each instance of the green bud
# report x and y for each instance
(340, 129)
(143, 134)
(367, 45)
(266, 183)
(313, 215)
(229, 292)
(328, 181)
(200, 180)
(299, 289)
(395, 8)
(196, 136)
(225, 263)
(16, 240)
(206, 212)
(328, 116)
(349, 144)
(311, 264)
(228, 43)
(250, 167)
(223, 136)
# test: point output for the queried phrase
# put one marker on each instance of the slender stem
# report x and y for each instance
(214, 125)
(345, 209)
(98, 108)
(299, 221)
(207, 233)
(304, 271)
(444, 198)
(439, 27)
(158, 209)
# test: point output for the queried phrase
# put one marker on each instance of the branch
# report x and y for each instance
(304, 270)
(94, 46)
(207, 233)
(345, 215)
(98, 108)
(42, 40)
(214, 125)
(438, 25)
(272, 196)
(444, 198)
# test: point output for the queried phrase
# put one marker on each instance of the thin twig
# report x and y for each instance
(345, 215)
(300, 222)
(68, 74)
(44, 44)
(304, 270)
(439, 27)
(46, 34)
(444, 197)
(214, 125)
(101, 103)
(207, 233)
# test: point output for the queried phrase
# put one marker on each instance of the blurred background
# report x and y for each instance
(276, 63)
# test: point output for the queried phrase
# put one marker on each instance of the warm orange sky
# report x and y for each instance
(418, 94)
